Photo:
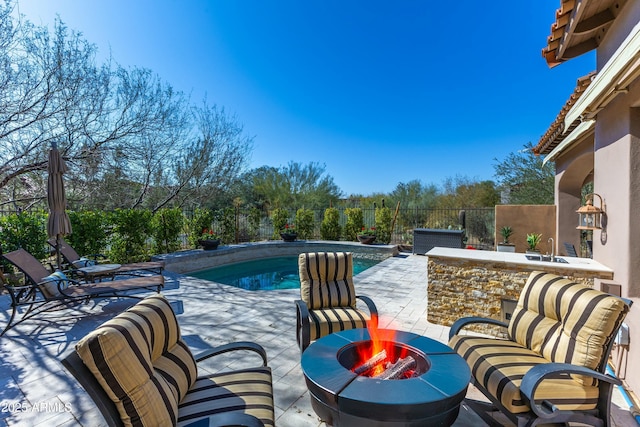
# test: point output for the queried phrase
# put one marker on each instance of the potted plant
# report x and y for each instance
(288, 233)
(367, 235)
(533, 239)
(209, 239)
(506, 246)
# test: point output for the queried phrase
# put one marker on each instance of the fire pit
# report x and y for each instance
(416, 381)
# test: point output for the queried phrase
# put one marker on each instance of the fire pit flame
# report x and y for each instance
(371, 364)
(403, 368)
(383, 359)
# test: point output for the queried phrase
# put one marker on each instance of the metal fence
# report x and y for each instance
(478, 223)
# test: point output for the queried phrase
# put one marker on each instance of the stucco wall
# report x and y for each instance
(525, 219)
(624, 22)
(573, 169)
(617, 180)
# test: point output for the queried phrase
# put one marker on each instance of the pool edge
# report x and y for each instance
(184, 262)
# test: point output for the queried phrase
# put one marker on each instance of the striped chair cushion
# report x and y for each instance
(328, 320)
(326, 279)
(499, 366)
(564, 321)
(248, 391)
(141, 362)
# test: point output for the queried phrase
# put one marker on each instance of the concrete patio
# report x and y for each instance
(35, 390)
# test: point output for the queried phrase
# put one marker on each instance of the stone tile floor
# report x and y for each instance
(35, 390)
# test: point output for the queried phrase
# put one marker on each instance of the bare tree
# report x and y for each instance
(130, 140)
(212, 159)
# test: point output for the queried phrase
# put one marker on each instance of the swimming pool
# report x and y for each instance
(266, 274)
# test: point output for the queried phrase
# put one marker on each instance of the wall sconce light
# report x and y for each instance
(589, 216)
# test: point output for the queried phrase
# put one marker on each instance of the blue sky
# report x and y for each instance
(413, 89)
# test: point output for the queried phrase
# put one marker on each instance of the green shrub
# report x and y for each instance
(25, 230)
(355, 222)
(166, 226)
(226, 219)
(202, 220)
(131, 229)
(89, 234)
(383, 224)
(330, 226)
(305, 223)
(279, 218)
(253, 224)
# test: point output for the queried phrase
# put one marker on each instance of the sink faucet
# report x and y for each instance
(553, 247)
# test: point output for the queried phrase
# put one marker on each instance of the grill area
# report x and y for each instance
(430, 396)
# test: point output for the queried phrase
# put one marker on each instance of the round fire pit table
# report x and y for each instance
(342, 398)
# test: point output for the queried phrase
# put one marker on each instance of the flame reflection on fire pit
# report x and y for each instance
(340, 397)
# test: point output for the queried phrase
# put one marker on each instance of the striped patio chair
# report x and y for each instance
(551, 369)
(328, 297)
(140, 372)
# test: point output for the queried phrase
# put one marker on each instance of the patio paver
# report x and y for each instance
(36, 390)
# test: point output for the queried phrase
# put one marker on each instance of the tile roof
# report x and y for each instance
(557, 132)
(579, 27)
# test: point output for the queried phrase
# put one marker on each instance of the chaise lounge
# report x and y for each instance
(74, 260)
(43, 290)
(139, 371)
(551, 368)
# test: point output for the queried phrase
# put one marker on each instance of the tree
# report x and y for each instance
(525, 179)
(209, 162)
(413, 194)
(460, 192)
(129, 139)
(294, 186)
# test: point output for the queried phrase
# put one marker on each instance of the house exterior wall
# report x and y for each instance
(620, 29)
(617, 180)
(573, 170)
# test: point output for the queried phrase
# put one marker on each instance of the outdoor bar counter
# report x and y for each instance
(466, 282)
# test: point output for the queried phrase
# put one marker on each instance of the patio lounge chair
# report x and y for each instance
(139, 371)
(43, 290)
(328, 301)
(551, 369)
(76, 261)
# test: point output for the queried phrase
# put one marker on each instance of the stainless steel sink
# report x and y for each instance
(546, 258)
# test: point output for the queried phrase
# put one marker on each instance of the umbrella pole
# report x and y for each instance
(58, 258)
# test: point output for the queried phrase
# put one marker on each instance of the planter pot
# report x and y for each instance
(289, 237)
(506, 247)
(367, 240)
(209, 245)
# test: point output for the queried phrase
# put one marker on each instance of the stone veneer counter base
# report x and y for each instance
(463, 282)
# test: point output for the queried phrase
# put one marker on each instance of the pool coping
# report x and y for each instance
(193, 260)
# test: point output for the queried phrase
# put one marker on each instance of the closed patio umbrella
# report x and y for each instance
(58, 224)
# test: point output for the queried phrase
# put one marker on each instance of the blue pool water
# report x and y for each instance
(266, 274)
